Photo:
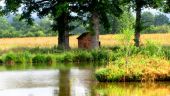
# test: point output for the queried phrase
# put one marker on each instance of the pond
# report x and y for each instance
(70, 80)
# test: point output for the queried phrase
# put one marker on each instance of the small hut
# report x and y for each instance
(85, 40)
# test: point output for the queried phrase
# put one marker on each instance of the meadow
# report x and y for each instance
(106, 41)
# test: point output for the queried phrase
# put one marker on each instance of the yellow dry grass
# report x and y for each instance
(106, 40)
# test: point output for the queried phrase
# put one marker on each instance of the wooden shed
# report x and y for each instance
(85, 41)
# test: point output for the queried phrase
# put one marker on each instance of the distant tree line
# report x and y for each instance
(155, 23)
(17, 28)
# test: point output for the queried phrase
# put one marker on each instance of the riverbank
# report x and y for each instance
(146, 63)
(50, 56)
(135, 68)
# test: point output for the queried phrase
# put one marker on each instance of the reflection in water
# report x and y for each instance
(133, 89)
(72, 82)
(64, 84)
(80, 82)
(28, 92)
(28, 79)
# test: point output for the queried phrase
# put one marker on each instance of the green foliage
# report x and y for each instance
(42, 59)
(17, 28)
(28, 56)
(109, 74)
(9, 58)
(38, 59)
(19, 59)
(68, 57)
(152, 49)
(83, 56)
(1, 61)
(102, 55)
(157, 29)
(147, 19)
(48, 59)
(155, 23)
(161, 19)
(167, 53)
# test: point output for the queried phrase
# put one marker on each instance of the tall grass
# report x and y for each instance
(48, 42)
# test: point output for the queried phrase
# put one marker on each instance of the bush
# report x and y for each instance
(109, 74)
(68, 57)
(28, 56)
(1, 61)
(20, 58)
(38, 59)
(82, 56)
(167, 53)
(152, 49)
(49, 59)
(102, 55)
(9, 58)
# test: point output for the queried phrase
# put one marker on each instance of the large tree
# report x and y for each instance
(138, 5)
(59, 10)
(99, 9)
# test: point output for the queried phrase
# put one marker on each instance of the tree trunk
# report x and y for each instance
(138, 24)
(95, 34)
(63, 34)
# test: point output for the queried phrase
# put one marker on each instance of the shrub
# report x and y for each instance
(152, 49)
(68, 57)
(82, 56)
(167, 54)
(102, 55)
(28, 56)
(109, 74)
(49, 59)
(1, 61)
(19, 58)
(9, 58)
(39, 58)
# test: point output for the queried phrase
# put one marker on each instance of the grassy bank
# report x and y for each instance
(49, 56)
(138, 68)
(53, 55)
(147, 63)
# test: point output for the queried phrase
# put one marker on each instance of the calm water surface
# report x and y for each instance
(71, 81)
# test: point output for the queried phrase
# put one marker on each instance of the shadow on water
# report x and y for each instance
(69, 80)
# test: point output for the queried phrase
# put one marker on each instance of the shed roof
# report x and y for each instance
(82, 35)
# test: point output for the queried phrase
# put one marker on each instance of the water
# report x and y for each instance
(70, 81)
